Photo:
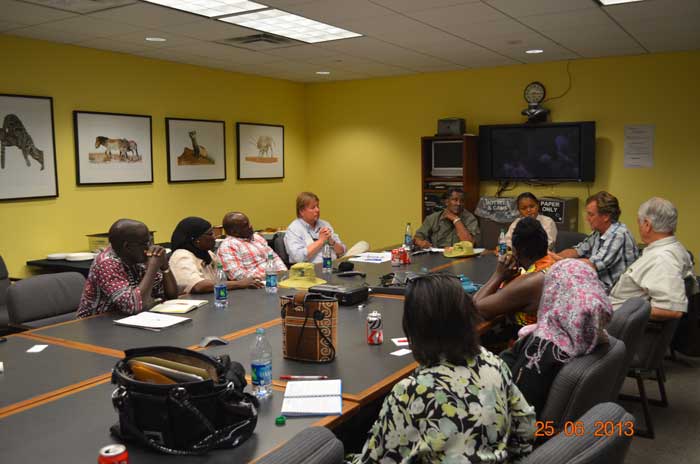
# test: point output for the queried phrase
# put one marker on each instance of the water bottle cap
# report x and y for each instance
(260, 330)
(280, 420)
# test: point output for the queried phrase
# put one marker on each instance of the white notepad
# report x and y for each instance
(178, 306)
(313, 398)
(151, 321)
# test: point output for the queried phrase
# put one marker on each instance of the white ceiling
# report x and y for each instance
(399, 36)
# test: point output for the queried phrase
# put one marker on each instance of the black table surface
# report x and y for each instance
(75, 427)
(359, 365)
(31, 374)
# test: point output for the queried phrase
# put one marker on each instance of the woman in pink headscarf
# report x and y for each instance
(571, 320)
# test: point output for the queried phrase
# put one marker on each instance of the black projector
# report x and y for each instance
(346, 295)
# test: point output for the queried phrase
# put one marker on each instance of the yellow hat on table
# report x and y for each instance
(459, 250)
(301, 275)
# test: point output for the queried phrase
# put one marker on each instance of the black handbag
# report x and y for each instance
(188, 417)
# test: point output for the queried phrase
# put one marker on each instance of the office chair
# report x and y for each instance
(627, 324)
(315, 445)
(567, 239)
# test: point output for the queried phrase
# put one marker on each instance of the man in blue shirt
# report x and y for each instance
(307, 234)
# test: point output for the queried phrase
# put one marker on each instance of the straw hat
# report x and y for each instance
(460, 249)
(301, 275)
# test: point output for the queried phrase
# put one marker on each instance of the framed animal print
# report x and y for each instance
(27, 148)
(196, 149)
(112, 148)
(260, 151)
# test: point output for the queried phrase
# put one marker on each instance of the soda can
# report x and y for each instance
(405, 256)
(396, 257)
(374, 331)
(113, 454)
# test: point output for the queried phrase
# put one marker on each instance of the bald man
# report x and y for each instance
(244, 253)
(130, 275)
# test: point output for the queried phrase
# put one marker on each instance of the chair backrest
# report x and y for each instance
(627, 324)
(279, 247)
(588, 448)
(4, 282)
(584, 382)
(44, 296)
(656, 340)
(687, 337)
(567, 239)
(315, 445)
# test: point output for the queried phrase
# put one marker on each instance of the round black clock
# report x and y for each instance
(534, 93)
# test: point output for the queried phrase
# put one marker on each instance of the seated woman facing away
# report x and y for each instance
(193, 263)
(529, 206)
(515, 287)
(571, 322)
(460, 404)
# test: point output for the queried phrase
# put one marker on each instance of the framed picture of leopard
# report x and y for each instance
(196, 149)
(112, 148)
(27, 148)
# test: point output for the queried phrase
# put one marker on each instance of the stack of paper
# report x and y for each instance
(178, 306)
(313, 398)
(151, 321)
(370, 257)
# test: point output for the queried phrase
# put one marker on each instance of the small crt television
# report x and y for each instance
(448, 158)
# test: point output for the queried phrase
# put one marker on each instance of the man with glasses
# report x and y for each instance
(449, 226)
(130, 275)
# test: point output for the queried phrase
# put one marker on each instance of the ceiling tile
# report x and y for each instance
(92, 26)
(397, 29)
(459, 17)
(337, 12)
(27, 14)
(139, 37)
(461, 52)
(519, 8)
(383, 52)
(225, 52)
(213, 30)
(407, 6)
(301, 52)
(150, 16)
(660, 36)
(8, 26)
(592, 19)
(42, 32)
(81, 6)
(113, 45)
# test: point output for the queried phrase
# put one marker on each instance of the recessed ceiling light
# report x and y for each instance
(534, 51)
(289, 25)
(616, 2)
(211, 8)
(156, 39)
(323, 73)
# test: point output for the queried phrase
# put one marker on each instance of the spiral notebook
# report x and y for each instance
(313, 398)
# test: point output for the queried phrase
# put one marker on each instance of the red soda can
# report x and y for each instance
(396, 257)
(405, 256)
(113, 454)
(374, 331)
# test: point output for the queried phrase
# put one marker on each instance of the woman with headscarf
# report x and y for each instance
(193, 263)
(571, 320)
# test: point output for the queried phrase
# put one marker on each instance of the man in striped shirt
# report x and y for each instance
(244, 253)
(610, 249)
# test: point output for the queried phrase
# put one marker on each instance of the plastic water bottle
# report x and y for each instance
(220, 288)
(502, 246)
(270, 275)
(408, 237)
(327, 258)
(261, 364)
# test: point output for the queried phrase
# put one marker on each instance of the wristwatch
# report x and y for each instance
(456, 220)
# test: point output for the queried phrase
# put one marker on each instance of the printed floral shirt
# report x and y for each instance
(243, 258)
(113, 285)
(453, 414)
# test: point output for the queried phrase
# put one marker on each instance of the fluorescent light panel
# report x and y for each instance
(210, 8)
(616, 2)
(289, 25)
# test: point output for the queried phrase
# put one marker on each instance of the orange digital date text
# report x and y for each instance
(578, 429)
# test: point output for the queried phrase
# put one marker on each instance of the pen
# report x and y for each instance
(303, 377)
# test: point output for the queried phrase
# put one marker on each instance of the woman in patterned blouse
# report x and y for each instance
(460, 405)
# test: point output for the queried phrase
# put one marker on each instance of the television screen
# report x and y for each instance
(550, 152)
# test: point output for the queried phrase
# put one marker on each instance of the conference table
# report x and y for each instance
(56, 405)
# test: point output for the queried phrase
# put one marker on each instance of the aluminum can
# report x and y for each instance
(396, 257)
(405, 256)
(374, 330)
(113, 454)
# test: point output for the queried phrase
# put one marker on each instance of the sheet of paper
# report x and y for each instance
(37, 349)
(369, 257)
(149, 320)
(178, 306)
(401, 352)
(639, 146)
(323, 406)
(400, 341)
(313, 388)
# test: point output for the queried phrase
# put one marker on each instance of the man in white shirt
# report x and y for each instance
(306, 235)
(659, 273)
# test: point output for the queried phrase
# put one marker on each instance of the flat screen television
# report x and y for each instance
(556, 152)
(448, 158)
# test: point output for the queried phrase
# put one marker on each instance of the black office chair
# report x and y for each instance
(44, 299)
(687, 337)
(315, 445)
(627, 324)
(279, 247)
(4, 285)
(567, 239)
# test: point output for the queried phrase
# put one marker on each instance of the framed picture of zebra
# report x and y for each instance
(27, 148)
(112, 148)
(260, 151)
(196, 149)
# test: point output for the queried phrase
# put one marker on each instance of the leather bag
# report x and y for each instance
(309, 327)
(183, 418)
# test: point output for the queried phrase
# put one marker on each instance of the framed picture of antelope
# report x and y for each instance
(260, 151)
(112, 148)
(27, 148)
(196, 149)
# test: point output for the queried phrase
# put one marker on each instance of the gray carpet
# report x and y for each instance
(678, 426)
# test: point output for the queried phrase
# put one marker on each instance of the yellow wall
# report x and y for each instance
(93, 80)
(365, 135)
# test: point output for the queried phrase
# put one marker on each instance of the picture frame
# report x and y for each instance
(196, 149)
(27, 148)
(260, 151)
(112, 148)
